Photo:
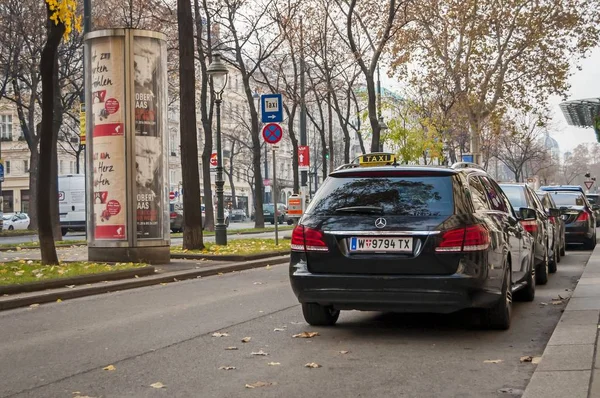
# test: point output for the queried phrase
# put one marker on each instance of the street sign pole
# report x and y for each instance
(275, 207)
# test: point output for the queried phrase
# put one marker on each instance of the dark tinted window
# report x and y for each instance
(516, 195)
(412, 196)
(478, 194)
(568, 199)
(494, 197)
(593, 199)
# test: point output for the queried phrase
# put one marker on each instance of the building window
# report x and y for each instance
(7, 167)
(71, 167)
(25, 200)
(8, 201)
(6, 127)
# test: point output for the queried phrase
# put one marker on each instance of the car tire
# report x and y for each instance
(563, 250)
(541, 273)
(290, 221)
(528, 292)
(272, 222)
(64, 231)
(498, 316)
(227, 222)
(319, 315)
(552, 266)
(11, 228)
(590, 244)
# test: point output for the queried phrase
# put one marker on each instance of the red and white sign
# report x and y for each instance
(171, 195)
(588, 184)
(272, 133)
(213, 159)
(303, 157)
(267, 182)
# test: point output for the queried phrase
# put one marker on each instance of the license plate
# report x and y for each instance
(266, 214)
(401, 245)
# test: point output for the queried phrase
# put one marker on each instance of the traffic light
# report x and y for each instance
(326, 153)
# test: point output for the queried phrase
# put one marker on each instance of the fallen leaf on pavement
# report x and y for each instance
(109, 367)
(158, 384)
(542, 303)
(279, 330)
(344, 352)
(261, 353)
(560, 297)
(163, 284)
(219, 334)
(306, 335)
(268, 266)
(258, 283)
(70, 286)
(231, 348)
(312, 365)
(227, 368)
(557, 302)
(34, 305)
(536, 360)
(492, 361)
(259, 384)
(246, 339)
(274, 363)
(58, 300)
(527, 358)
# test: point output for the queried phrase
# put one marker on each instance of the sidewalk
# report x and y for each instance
(570, 365)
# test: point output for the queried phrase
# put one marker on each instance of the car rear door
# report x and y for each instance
(370, 222)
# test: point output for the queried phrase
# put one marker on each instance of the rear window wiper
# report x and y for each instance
(361, 209)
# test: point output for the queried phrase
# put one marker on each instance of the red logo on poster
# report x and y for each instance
(113, 207)
(303, 156)
(213, 159)
(111, 106)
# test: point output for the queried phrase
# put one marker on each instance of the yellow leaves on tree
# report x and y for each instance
(64, 11)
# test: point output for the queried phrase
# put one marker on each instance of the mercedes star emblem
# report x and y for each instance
(380, 222)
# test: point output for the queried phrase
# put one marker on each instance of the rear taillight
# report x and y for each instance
(306, 239)
(173, 215)
(530, 226)
(583, 216)
(469, 239)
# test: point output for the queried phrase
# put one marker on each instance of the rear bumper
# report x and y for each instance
(403, 293)
(578, 233)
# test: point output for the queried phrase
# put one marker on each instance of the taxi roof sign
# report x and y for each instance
(377, 159)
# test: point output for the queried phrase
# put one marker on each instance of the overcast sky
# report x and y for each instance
(584, 84)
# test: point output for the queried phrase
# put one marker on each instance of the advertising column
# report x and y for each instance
(148, 137)
(108, 139)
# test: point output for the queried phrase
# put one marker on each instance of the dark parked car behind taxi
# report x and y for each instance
(579, 217)
(379, 236)
(556, 221)
(594, 200)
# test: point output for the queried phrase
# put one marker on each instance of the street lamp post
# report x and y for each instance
(217, 70)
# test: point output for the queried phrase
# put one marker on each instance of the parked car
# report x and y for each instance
(269, 210)
(572, 188)
(410, 239)
(225, 211)
(238, 215)
(594, 199)
(521, 196)
(556, 220)
(15, 221)
(578, 215)
(176, 216)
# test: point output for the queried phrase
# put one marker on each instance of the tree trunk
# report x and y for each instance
(206, 108)
(34, 169)
(56, 125)
(330, 130)
(371, 101)
(192, 215)
(48, 140)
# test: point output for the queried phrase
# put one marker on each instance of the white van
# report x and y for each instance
(71, 202)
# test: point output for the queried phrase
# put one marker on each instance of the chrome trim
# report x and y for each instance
(383, 233)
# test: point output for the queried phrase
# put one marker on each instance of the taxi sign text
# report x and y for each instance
(378, 159)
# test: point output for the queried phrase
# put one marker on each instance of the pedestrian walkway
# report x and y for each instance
(570, 365)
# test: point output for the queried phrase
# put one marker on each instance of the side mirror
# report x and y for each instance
(595, 207)
(554, 212)
(527, 214)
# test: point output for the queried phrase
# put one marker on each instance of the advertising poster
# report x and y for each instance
(108, 139)
(148, 137)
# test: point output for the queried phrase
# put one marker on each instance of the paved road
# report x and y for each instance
(164, 334)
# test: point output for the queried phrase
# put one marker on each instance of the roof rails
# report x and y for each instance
(466, 165)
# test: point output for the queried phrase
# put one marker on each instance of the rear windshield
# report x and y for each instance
(568, 199)
(516, 195)
(409, 196)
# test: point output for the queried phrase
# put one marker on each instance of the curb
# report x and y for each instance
(77, 280)
(570, 364)
(27, 299)
(231, 257)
